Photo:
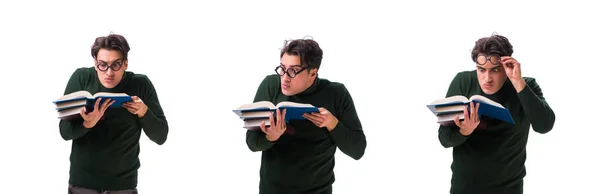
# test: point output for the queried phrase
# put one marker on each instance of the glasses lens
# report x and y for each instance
(495, 59)
(291, 72)
(279, 70)
(481, 59)
(102, 67)
(116, 66)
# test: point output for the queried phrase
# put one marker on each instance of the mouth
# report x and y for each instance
(285, 86)
(108, 79)
(487, 85)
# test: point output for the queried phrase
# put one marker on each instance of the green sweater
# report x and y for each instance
(302, 159)
(105, 157)
(492, 159)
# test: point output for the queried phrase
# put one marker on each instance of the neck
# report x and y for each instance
(311, 88)
(501, 95)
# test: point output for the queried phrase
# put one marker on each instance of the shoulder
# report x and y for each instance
(84, 71)
(336, 87)
(464, 77)
(531, 82)
(137, 77)
(270, 80)
(83, 75)
(466, 74)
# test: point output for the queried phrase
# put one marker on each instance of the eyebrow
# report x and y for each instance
(113, 61)
(281, 64)
(495, 66)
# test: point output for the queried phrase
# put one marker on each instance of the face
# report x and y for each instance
(490, 73)
(110, 67)
(303, 79)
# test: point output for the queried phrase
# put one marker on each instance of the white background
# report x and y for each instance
(206, 59)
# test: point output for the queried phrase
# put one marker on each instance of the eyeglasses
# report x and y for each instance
(115, 66)
(291, 72)
(482, 59)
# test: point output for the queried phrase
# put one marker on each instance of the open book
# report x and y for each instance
(69, 105)
(445, 109)
(253, 114)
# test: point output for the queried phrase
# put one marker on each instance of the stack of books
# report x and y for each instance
(446, 109)
(255, 113)
(69, 106)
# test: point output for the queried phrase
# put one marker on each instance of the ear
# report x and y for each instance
(314, 73)
(125, 64)
(94, 64)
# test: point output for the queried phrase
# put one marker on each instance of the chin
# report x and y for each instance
(488, 91)
(109, 86)
(287, 92)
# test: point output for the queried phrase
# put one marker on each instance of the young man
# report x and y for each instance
(298, 157)
(105, 148)
(488, 154)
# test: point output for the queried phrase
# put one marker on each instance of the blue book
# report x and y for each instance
(258, 110)
(445, 109)
(80, 99)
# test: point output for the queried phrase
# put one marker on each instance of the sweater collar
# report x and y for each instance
(119, 87)
(502, 95)
(312, 88)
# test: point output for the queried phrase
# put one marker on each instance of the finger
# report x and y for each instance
(322, 109)
(271, 120)
(263, 127)
(135, 98)
(317, 117)
(457, 121)
(278, 119)
(283, 124)
(283, 114)
(477, 112)
(466, 114)
(312, 120)
(106, 104)
(132, 110)
(83, 114)
(97, 104)
(308, 116)
(473, 113)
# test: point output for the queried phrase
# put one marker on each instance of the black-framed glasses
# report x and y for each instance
(115, 66)
(291, 72)
(482, 59)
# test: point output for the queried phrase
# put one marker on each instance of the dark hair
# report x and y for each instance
(495, 44)
(111, 42)
(307, 49)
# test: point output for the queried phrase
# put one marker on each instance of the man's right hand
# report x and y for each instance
(471, 121)
(276, 129)
(90, 119)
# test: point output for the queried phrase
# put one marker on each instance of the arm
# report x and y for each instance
(348, 134)
(536, 108)
(451, 136)
(73, 129)
(154, 122)
(256, 139)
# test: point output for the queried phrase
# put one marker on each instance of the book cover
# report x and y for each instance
(294, 111)
(487, 107)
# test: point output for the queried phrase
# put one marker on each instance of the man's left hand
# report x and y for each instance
(513, 71)
(136, 107)
(323, 118)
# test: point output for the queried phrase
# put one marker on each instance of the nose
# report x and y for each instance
(486, 77)
(109, 72)
(286, 77)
